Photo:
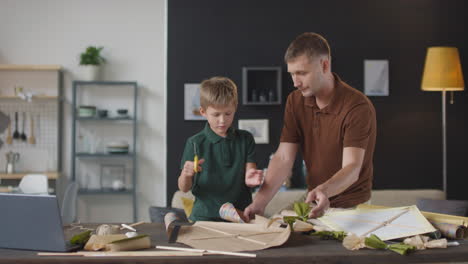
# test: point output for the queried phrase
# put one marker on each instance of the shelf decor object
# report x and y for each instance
(113, 177)
(91, 62)
(261, 85)
(442, 73)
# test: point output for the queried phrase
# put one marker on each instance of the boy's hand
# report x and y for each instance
(188, 168)
(253, 177)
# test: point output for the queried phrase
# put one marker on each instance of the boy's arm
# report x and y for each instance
(253, 177)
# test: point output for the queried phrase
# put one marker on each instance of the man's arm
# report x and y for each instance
(279, 169)
(345, 177)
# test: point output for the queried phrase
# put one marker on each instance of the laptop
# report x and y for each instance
(31, 222)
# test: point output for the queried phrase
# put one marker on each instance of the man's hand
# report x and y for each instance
(253, 177)
(252, 210)
(188, 171)
(321, 198)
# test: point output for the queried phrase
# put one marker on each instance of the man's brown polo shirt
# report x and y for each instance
(347, 121)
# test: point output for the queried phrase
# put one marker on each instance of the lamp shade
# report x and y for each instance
(442, 70)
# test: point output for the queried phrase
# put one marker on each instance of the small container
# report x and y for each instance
(117, 147)
(122, 112)
(262, 97)
(86, 111)
(102, 113)
(254, 95)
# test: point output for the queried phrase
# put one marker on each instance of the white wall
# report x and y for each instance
(132, 33)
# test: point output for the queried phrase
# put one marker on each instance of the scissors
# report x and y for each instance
(195, 159)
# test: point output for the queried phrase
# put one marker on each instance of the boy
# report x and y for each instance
(227, 169)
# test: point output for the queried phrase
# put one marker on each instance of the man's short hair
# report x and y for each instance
(310, 44)
(218, 91)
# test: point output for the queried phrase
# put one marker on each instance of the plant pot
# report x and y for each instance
(90, 72)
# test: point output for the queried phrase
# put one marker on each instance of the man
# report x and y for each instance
(332, 124)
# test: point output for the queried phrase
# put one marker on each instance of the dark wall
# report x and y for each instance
(212, 37)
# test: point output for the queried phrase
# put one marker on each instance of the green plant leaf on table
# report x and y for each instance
(302, 210)
(329, 235)
(290, 220)
(374, 241)
(81, 238)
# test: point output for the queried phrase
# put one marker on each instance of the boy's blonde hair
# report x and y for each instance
(218, 91)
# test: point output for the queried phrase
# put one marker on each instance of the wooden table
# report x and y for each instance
(299, 249)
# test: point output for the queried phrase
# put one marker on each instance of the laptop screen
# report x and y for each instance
(31, 222)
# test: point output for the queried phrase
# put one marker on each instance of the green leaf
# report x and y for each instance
(374, 241)
(290, 220)
(92, 56)
(401, 248)
(81, 238)
(330, 235)
(302, 210)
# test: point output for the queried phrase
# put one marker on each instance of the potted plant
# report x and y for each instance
(90, 61)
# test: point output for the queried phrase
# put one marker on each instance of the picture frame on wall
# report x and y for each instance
(192, 102)
(376, 78)
(258, 127)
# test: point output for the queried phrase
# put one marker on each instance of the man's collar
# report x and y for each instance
(215, 138)
(335, 104)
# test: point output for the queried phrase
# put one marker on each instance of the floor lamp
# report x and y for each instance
(442, 72)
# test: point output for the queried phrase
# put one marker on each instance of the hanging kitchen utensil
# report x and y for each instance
(9, 138)
(32, 138)
(38, 127)
(16, 134)
(23, 135)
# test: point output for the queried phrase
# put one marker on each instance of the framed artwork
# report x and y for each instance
(376, 77)
(258, 127)
(192, 102)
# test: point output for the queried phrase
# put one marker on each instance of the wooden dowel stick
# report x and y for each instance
(233, 235)
(132, 225)
(384, 223)
(209, 251)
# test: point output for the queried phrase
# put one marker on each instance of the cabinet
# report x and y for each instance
(261, 85)
(104, 136)
(33, 93)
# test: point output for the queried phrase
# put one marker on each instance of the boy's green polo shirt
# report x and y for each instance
(222, 178)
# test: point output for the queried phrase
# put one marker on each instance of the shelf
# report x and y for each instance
(17, 67)
(105, 118)
(105, 155)
(104, 191)
(103, 83)
(34, 97)
(261, 85)
(52, 175)
(112, 164)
